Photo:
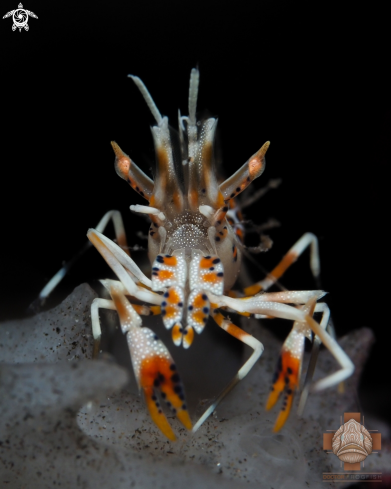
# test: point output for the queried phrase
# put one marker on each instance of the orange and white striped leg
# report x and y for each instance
(153, 366)
(246, 338)
(259, 305)
(308, 239)
(119, 230)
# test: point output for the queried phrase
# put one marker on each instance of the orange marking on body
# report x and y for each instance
(198, 301)
(170, 261)
(188, 337)
(220, 200)
(239, 233)
(165, 274)
(209, 277)
(155, 310)
(198, 316)
(170, 312)
(178, 200)
(252, 289)
(193, 197)
(163, 162)
(206, 262)
(173, 296)
(235, 252)
(177, 334)
(139, 309)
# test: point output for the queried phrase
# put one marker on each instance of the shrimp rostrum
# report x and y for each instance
(196, 258)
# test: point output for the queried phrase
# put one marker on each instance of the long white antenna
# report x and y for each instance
(147, 97)
(193, 94)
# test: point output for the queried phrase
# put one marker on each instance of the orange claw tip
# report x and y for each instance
(284, 414)
(272, 399)
(184, 418)
(159, 418)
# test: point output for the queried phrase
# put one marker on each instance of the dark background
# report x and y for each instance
(308, 76)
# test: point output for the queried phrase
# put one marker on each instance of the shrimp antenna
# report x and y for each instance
(148, 98)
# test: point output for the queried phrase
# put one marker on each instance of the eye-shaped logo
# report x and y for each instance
(352, 443)
(20, 17)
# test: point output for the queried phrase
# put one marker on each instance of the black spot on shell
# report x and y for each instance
(166, 294)
(180, 304)
(220, 274)
(184, 406)
(164, 303)
(154, 398)
(237, 189)
(232, 195)
(155, 273)
(177, 389)
(218, 238)
(156, 383)
(175, 377)
(155, 337)
(190, 308)
(225, 209)
(216, 260)
(173, 366)
(156, 269)
(204, 297)
(286, 380)
(160, 259)
(290, 371)
(163, 394)
(211, 268)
